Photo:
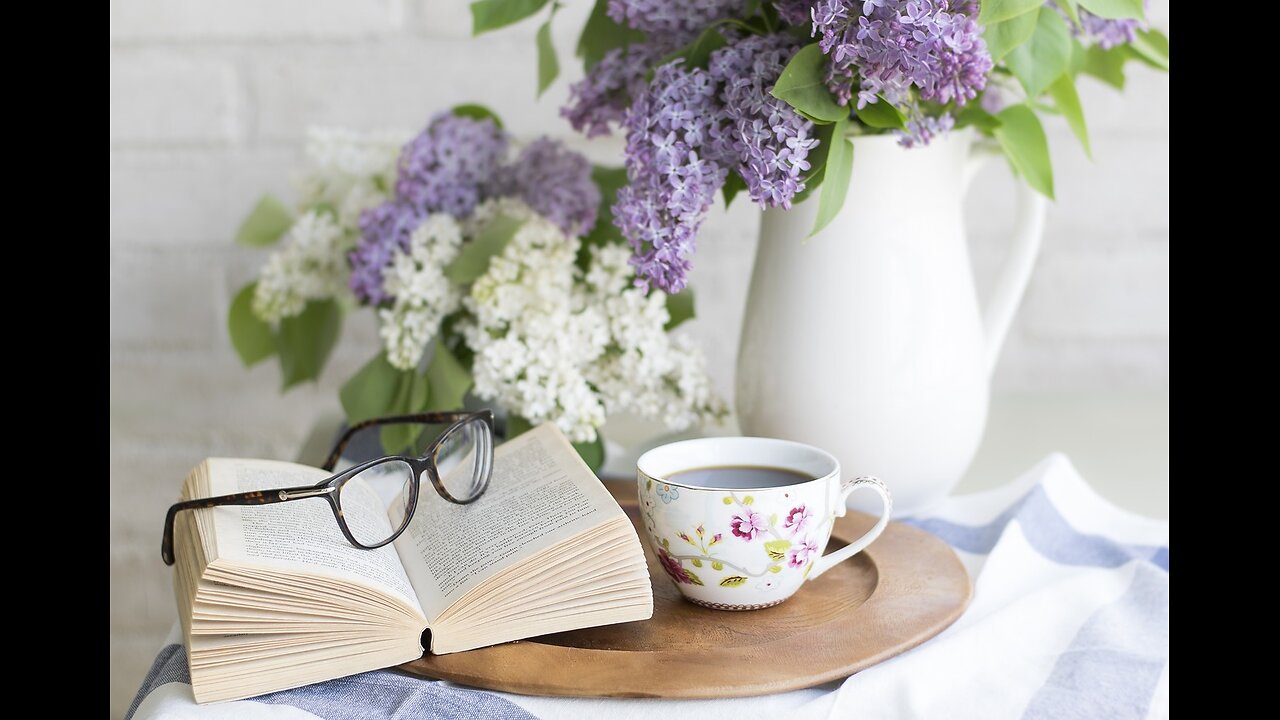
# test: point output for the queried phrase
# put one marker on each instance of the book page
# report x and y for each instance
(303, 535)
(541, 493)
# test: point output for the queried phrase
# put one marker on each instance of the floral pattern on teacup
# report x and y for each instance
(786, 544)
(677, 570)
(748, 525)
(800, 553)
(797, 520)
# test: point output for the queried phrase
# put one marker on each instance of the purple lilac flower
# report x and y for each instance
(992, 101)
(672, 182)
(793, 12)
(602, 95)
(556, 182)
(892, 47)
(667, 16)
(448, 166)
(382, 230)
(1103, 32)
(921, 129)
(765, 139)
(453, 165)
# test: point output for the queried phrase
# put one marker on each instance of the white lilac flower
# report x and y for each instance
(349, 172)
(423, 295)
(531, 333)
(309, 265)
(554, 343)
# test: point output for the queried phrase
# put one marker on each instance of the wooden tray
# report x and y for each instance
(902, 590)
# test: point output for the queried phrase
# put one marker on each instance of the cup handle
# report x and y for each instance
(826, 562)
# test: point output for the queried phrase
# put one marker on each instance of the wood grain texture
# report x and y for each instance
(902, 590)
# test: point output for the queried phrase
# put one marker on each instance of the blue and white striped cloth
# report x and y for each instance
(1070, 619)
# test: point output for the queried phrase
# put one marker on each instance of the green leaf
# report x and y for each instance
(1063, 92)
(473, 260)
(733, 581)
(882, 115)
(748, 500)
(326, 208)
(994, 11)
(974, 115)
(1069, 7)
(592, 453)
(517, 425)
(411, 397)
(373, 390)
(601, 34)
(1152, 48)
(728, 501)
(693, 578)
(448, 379)
(696, 562)
(697, 53)
(1043, 58)
(835, 178)
(548, 63)
(489, 15)
(267, 222)
(250, 336)
(807, 568)
(304, 341)
(1004, 36)
(1114, 9)
(775, 568)
(717, 565)
(1106, 65)
(777, 549)
(679, 307)
(733, 184)
(608, 180)
(803, 86)
(477, 112)
(1023, 140)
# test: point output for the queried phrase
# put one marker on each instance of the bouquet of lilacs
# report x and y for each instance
(761, 95)
(487, 274)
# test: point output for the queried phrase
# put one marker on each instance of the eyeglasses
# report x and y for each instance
(459, 463)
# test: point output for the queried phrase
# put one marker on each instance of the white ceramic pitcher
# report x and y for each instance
(866, 340)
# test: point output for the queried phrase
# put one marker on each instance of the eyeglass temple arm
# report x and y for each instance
(253, 497)
(436, 418)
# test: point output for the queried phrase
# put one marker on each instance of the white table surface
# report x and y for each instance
(1119, 441)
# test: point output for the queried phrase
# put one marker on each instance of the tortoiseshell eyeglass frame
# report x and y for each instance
(329, 487)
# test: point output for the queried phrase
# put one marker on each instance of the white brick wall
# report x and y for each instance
(207, 104)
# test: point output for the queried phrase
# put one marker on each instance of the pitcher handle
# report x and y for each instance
(1028, 230)
(866, 482)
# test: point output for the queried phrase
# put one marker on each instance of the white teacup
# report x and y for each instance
(744, 548)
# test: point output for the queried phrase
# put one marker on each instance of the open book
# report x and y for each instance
(273, 596)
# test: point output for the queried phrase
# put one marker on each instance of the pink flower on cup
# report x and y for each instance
(674, 568)
(747, 526)
(800, 553)
(797, 519)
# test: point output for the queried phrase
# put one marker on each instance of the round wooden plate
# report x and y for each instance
(902, 590)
